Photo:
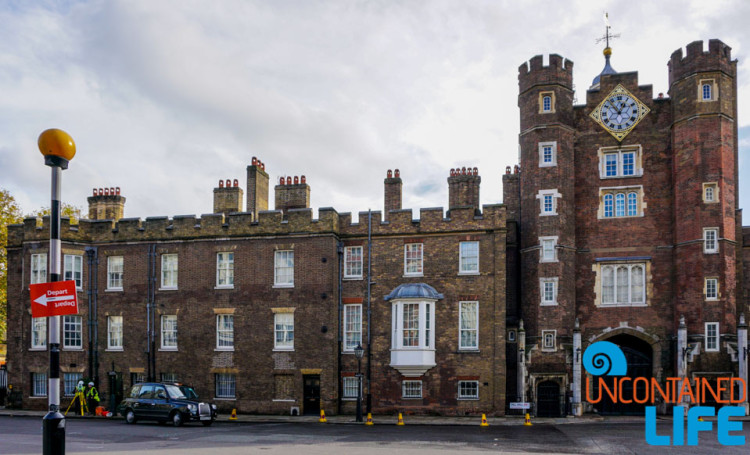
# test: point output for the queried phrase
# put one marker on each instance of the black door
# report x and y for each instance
(311, 394)
(548, 399)
(638, 354)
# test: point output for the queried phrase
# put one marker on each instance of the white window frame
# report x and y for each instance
(468, 264)
(543, 282)
(553, 146)
(38, 268)
(461, 391)
(425, 324)
(225, 270)
(169, 271)
(630, 286)
(70, 382)
(714, 186)
(226, 385)
(468, 325)
(512, 338)
(543, 243)
(545, 346)
(73, 269)
(352, 262)
(115, 273)
(283, 324)
(39, 333)
(72, 331)
(167, 344)
(707, 284)
(283, 272)
(168, 377)
(414, 255)
(411, 389)
(347, 384)
(554, 195)
(352, 326)
(716, 337)
(710, 245)
(222, 328)
(39, 385)
(625, 192)
(618, 152)
(115, 333)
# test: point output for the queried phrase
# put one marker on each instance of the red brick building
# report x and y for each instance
(629, 225)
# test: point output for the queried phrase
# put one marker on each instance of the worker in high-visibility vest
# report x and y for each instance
(92, 397)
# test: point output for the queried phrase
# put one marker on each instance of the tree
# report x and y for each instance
(66, 211)
(10, 213)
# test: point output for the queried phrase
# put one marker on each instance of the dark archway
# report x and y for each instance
(548, 399)
(639, 355)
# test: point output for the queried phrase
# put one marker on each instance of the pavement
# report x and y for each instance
(348, 419)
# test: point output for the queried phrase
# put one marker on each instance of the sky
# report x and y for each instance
(165, 98)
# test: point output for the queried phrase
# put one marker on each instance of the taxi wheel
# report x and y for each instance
(130, 417)
(177, 419)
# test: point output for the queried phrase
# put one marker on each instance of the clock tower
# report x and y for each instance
(627, 223)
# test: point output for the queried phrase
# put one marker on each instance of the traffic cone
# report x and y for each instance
(400, 420)
(322, 417)
(234, 414)
(484, 421)
(369, 420)
(527, 422)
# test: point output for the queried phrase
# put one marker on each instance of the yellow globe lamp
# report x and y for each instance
(57, 147)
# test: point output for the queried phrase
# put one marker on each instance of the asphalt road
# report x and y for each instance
(22, 435)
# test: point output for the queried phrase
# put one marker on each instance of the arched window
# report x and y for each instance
(709, 194)
(608, 206)
(706, 90)
(632, 204)
(547, 103)
(620, 204)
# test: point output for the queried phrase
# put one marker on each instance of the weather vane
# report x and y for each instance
(607, 34)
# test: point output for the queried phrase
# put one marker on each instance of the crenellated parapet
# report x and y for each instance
(558, 72)
(718, 58)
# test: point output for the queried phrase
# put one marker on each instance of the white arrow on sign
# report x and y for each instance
(44, 299)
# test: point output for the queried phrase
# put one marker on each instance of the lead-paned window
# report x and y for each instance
(114, 272)
(225, 332)
(353, 262)
(72, 332)
(283, 268)
(169, 331)
(73, 269)
(226, 384)
(468, 325)
(623, 284)
(352, 326)
(548, 340)
(469, 257)
(225, 270)
(169, 271)
(468, 390)
(38, 268)
(413, 259)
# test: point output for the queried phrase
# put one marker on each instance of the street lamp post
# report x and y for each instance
(58, 149)
(359, 351)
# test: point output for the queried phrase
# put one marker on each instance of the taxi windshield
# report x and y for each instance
(174, 391)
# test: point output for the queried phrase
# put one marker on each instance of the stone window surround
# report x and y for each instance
(551, 94)
(542, 145)
(596, 268)
(545, 347)
(714, 90)
(542, 281)
(555, 196)
(619, 149)
(541, 249)
(641, 203)
(715, 187)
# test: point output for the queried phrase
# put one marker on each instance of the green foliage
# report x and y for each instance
(67, 211)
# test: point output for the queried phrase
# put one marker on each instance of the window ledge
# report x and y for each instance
(468, 351)
(224, 287)
(113, 290)
(548, 304)
(468, 273)
(283, 349)
(611, 177)
(349, 399)
(710, 252)
(640, 215)
(167, 349)
(712, 350)
(167, 289)
(114, 350)
(414, 275)
(353, 278)
(39, 397)
(712, 300)
(623, 305)
(548, 214)
(224, 350)
(411, 398)
(65, 348)
(283, 286)
(549, 261)
(44, 349)
(469, 399)
(285, 400)
(225, 399)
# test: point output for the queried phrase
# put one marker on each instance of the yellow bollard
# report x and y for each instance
(527, 422)
(234, 414)
(369, 420)
(400, 420)
(484, 421)
(322, 417)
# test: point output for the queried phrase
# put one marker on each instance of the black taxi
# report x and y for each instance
(164, 403)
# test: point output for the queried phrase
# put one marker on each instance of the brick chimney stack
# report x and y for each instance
(292, 193)
(392, 185)
(228, 197)
(106, 204)
(463, 188)
(257, 188)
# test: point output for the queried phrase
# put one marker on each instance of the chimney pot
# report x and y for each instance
(117, 190)
(289, 180)
(507, 169)
(263, 166)
(476, 171)
(236, 183)
(281, 181)
(94, 191)
(255, 161)
(303, 179)
(398, 173)
(516, 169)
(221, 183)
(101, 192)
(296, 180)
(463, 171)
(106, 191)
(389, 174)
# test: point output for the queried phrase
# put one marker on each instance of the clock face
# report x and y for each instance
(619, 112)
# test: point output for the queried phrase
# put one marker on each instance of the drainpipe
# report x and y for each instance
(742, 357)
(340, 255)
(521, 378)
(92, 261)
(369, 309)
(151, 314)
(682, 348)
(577, 354)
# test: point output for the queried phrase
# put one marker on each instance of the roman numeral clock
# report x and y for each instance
(619, 112)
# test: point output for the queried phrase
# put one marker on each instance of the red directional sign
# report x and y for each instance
(53, 299)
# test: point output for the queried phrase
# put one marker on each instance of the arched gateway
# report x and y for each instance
(639, 355)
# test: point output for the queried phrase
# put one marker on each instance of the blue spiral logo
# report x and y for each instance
(605, 359)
